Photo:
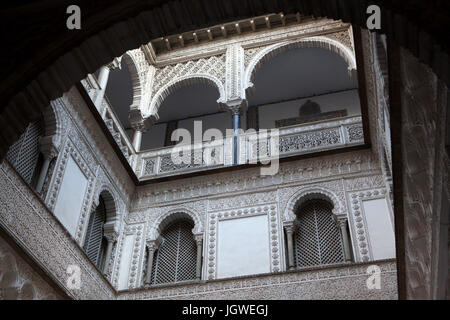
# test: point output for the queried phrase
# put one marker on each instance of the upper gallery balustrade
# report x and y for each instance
(299, 78)
(292, 140)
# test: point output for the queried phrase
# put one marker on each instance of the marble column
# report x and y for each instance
(290, 245)
(111, 239)
(49, 150)
(151, 247)
(102, 80)
(345, 238)
(199, 240)
(137, 140)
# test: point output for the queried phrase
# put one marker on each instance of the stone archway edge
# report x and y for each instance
(58, 62)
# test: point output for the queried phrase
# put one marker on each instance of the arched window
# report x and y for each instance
(175, 259)
(317, 239)
(95, 243)
(24, 155)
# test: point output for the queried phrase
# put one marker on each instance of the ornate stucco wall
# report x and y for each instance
(19, 281)
(346, 179)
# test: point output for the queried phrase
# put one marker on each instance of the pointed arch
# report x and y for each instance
(312, 42)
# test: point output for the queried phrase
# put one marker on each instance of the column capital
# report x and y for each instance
(341, 220)
(111, 237)
(289, 226)
(198, 238)
(138, 122)
(110, 231)
(238, 106)
(152, 244)
(115, 64)
(49, 146)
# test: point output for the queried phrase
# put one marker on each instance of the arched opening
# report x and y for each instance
(302, 85)
(119, 94)
(181, 109)
(175, 259)
(96, 245)
(317, 237)
(427, 52)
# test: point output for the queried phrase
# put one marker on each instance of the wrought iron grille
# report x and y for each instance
(24, 154)
(176, 258)
(317, 238)
(94, 245)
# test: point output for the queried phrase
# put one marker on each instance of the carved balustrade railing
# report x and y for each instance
(117, 131)
(293, 140)
(174, 160)
(110, 118)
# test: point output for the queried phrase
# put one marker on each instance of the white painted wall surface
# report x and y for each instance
(220, 121)
(329, 102)
(243, 247)
(70, 197)
(125, 261)
(380, 228)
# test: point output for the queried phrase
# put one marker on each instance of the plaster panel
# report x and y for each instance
(380, 229)
(70, 197)
(243, 247)
(125, 261)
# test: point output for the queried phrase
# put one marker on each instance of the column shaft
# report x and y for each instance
(102, 81)
(42, 175)
(290, 243)
(345, 240)
(108, 256)
(199, 260)
(148, 276)
(236, 124)
(137, 140)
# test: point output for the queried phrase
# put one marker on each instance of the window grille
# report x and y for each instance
(24, 154)
(176, 258)
(317, 238)
(94, 244)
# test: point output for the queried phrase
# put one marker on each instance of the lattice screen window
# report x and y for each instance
(176, 258)
(94, 244)
(24, 154)
(317, 237)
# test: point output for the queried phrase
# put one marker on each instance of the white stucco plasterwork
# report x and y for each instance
(268, 210)
(70, 150)
(312, 42)
(134, 266)
(358, 223)
(312, 191)
(153, 231)
(177, 81)
(92, 142)
(31, 224)
(305, 171)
